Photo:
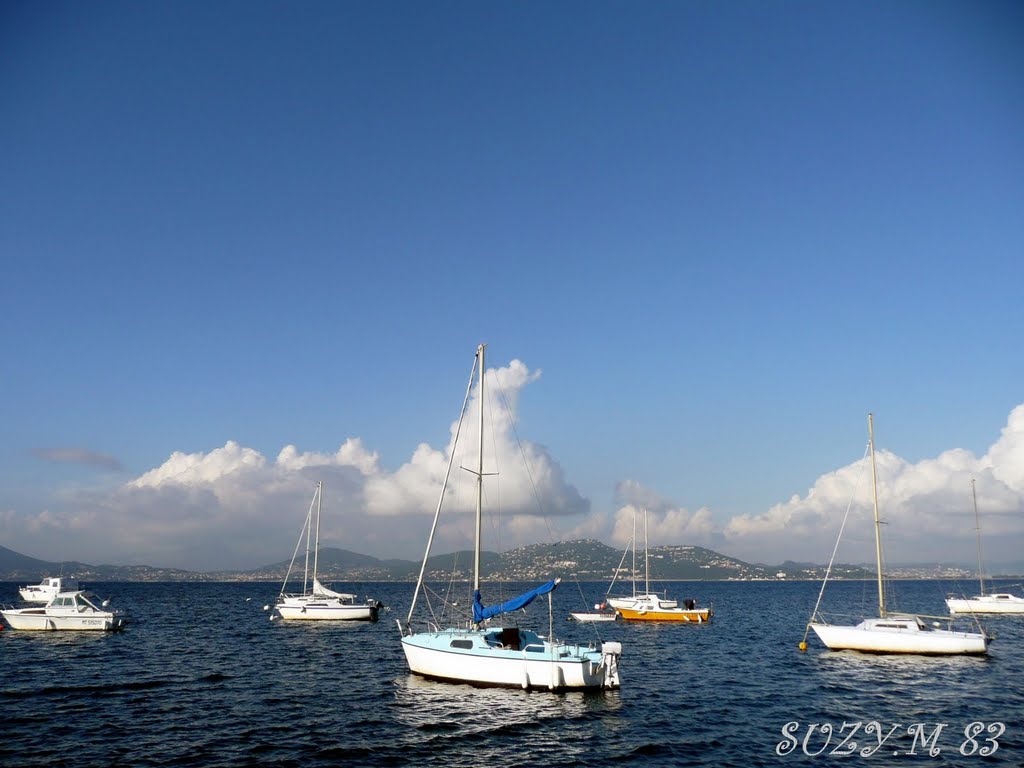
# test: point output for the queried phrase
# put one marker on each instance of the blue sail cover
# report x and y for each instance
(480, 613)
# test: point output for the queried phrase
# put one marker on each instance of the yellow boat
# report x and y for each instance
(649, 608)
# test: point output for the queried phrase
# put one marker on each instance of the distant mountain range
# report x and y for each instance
(585, 560)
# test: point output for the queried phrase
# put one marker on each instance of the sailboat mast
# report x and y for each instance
(479, 478)
(316, 545)
(309, 535)
(878, 525)
(634, 551)
(440, 498)
(647, 560)
(977, 528)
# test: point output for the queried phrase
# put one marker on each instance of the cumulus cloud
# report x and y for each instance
(666, 521)
(927, 507)
(233, 507)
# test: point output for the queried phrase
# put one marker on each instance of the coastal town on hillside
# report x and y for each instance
(582, 560)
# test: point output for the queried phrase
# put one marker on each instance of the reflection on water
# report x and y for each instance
(444, 714)
(421, 700)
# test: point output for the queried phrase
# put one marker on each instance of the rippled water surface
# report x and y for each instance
(203, 678)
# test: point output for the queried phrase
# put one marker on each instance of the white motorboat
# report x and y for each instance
(601, 612)
(480, 654)
(317, 602)
(1002, 603)
(73, 610)
(891, 632)
(44, 591)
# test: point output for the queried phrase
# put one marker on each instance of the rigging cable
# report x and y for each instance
(828, 571)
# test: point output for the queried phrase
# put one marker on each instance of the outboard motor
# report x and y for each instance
(610, 653)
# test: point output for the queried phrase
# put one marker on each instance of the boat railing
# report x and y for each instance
(406, 628)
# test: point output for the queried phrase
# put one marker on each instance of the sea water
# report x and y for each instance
(202, 677)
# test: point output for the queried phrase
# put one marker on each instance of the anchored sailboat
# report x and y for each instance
(651, 606)
(1002, 603)
(318, 603)
(629, 601)
(504, 655)
(892, 632)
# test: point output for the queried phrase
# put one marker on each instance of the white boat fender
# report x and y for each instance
(556, 678)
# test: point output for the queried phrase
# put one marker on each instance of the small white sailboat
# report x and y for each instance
(505, 655)
(71, 610)
(317, 602)
(1002, 603)
(891, 632)
(47, 589)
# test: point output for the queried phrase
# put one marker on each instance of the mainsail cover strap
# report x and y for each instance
(480, 613)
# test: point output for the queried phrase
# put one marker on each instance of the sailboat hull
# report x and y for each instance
(899, 636)
(679, 615)
(320, 609)
(471, 656)
(992, 604)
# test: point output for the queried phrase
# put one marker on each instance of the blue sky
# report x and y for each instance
(721, 232)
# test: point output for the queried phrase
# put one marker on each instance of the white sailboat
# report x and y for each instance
(892, 632)
(317, 602)
(504, 655)
(1002, 603)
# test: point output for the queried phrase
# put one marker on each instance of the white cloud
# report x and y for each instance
(232, 507)
(198, 470)
(927, 507)
(666, 521)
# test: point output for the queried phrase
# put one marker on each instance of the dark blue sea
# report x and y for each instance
(203, 678)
